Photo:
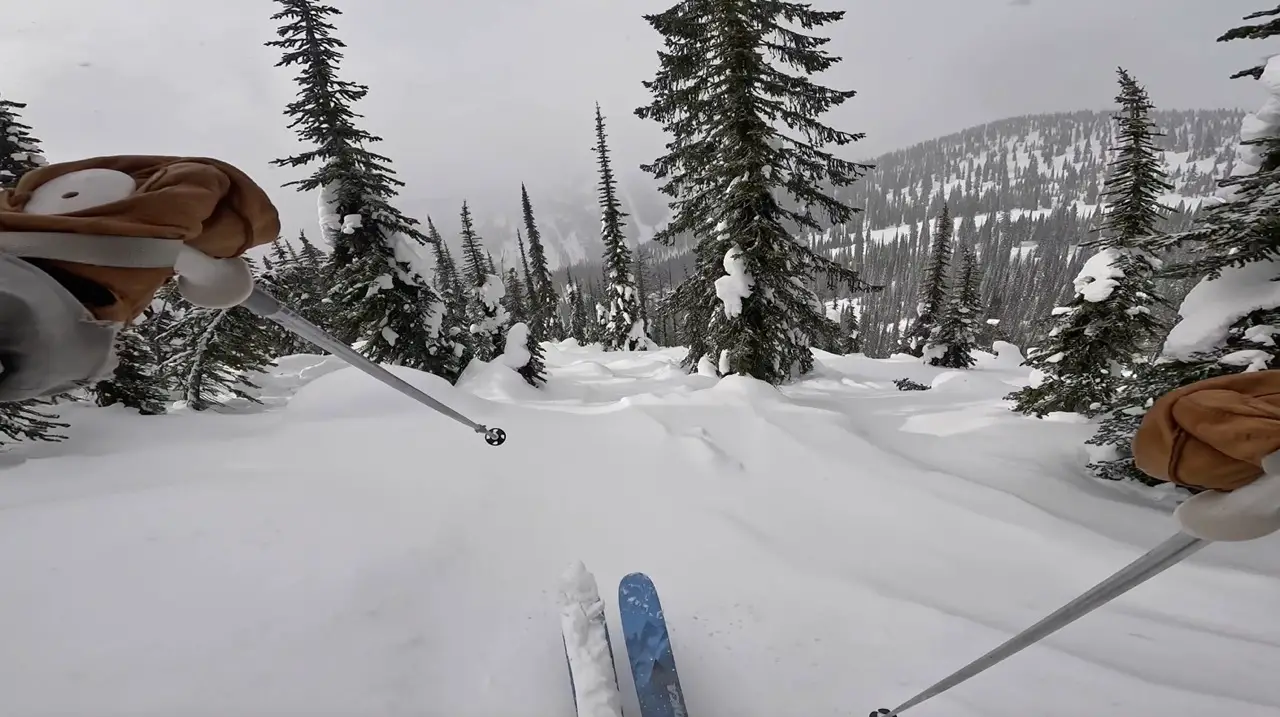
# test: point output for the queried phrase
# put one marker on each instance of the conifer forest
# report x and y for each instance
(1077, 237)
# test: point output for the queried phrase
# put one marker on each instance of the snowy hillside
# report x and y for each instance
(1050, 160)
(825, 549)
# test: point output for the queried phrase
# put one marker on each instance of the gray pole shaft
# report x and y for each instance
(270, 308)
(1161, 558)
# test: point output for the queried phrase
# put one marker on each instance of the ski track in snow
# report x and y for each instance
(823, 549)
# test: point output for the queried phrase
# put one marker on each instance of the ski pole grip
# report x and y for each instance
(212, 283)
(1246, 513)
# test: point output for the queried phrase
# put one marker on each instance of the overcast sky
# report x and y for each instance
(475, 96)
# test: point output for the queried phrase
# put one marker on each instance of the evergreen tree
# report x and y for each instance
(530, 290)
(542, 295)
(137, 381)
(485, 292)
(514, 301)
(850, 330)
(933, 286)
(1105, 328)
(304, 273)
(217, 352)
(1255, 31)
(24, 421)
(579, 317)
(19, 150)
(1235, 243)
(624, 328)
(747, 305)
(954, 339)
(642, 285)
(376, 295)
(455, 328)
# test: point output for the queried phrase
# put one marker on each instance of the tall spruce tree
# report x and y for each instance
(529, 289)
(933, 286)
(721, 94)
(1109, 323)
(485, 292)
(215, 353)
(377, 295)
(624, 328)
(954, 339)
(1234, 246)
(455, 328)
(579, 315)
(543, 298)
(514, 301)
(19, 149)
(850, 330)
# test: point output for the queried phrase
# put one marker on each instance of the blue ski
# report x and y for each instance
(653, 666)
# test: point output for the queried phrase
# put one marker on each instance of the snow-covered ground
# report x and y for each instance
(821, 550)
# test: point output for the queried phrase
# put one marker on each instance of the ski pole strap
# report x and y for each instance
(269, 307)
(125, 252)
(1161, 558)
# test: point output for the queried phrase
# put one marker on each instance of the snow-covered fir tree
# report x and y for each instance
(455, 331)
(850, 331)
(514, 301)
(624, 328)
(579, 316)
(641, 274)
(304, 272)
(722, 95)
(19, 149)
(933, 286)
(543, 299)
(530, 290)
(1109, 323)
(532, 363)
(26, 421)
(378, 294)
(1229, 319)
(215, 353)
(485, 292)
(137, 382)
(954, 339)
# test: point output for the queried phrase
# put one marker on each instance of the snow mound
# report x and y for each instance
(743, 389)
(1008, 355)
(516, 354)
(496, 382)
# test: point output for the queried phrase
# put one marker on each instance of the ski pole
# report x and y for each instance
(224, 283)
(1246, 513)
(1159, 559)
(269, 307)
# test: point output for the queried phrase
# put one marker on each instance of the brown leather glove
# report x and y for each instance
(210, 205)
(1212, 434)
